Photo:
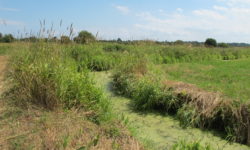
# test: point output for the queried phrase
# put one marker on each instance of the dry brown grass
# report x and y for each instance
(38, 129)
(214, 111)
(204, 100)
(3, 62)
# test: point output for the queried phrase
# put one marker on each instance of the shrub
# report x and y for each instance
(179, 42)
(119, 40)
(210, 42)
(84, 37)
(8, 38)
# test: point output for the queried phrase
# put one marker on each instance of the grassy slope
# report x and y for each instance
(162, 131)
(232, 78)
(38, 128)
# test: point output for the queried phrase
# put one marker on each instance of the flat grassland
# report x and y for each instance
(231, 78)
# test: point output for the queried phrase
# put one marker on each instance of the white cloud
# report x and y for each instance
(180, 10)
(227, 21)
(208, 14)
(123, 9)
(11, 22)
(161, 10)
(8, 9)
(236, 2)
(220, 8)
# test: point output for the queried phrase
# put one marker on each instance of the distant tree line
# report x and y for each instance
(85, 37)
(7, 38)
(210, 42)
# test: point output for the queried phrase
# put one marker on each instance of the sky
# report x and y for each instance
(188, 20)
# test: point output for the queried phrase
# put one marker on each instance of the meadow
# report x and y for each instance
(201, 87)
(231, 78)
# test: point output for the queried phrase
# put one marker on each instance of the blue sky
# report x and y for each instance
(189, 20)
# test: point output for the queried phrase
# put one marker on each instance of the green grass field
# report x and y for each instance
(56, 76)
(231, 78)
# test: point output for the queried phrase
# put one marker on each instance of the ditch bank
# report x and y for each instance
(194, 107)
(162, 131)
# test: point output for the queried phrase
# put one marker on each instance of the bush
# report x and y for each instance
(210, 42)
(179, 42)
(119, 40)
(84, 37)
(8, 38)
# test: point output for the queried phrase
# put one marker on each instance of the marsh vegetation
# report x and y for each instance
(54, 82)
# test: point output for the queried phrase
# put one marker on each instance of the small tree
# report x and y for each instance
(119, 40)
(84, 37)
(8, 38)
(179, 42)
(210, 42)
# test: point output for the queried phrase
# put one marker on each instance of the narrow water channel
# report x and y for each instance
(161, 130)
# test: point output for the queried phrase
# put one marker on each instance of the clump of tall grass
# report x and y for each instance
(132, 81)
(184, 145)
(226, 117)
(114, 48)
(45, 75)
(94, 58)
(149, 95)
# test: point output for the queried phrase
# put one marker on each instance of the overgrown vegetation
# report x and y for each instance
(194, 107)
(46, 80)
(55, 75)
(45, 75)
(84, 37)
(183, 145)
